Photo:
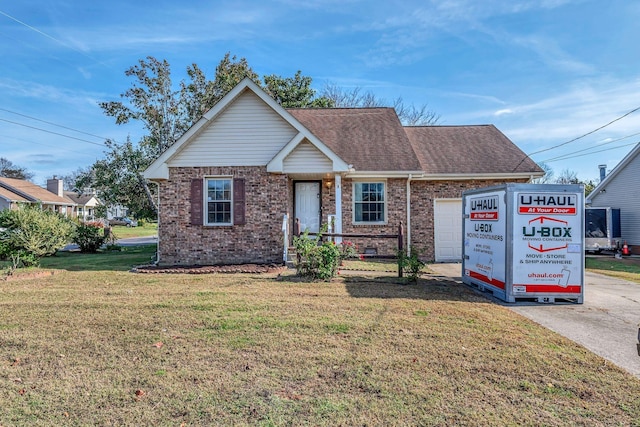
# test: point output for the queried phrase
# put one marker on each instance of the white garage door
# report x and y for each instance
(448, 230)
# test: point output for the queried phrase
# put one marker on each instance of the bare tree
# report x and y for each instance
(568, 177)
(547, 178)
(10, 170)
(409, 115)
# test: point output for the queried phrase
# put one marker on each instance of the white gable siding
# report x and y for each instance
(248, 133)
(623, 192)
(307, 158)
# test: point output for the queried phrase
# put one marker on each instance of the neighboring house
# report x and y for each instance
(86, 204)
(116, 211)
(227, 183)
(620, 190)
(14, 192)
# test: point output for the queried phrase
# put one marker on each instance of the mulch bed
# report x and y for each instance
(210, 269)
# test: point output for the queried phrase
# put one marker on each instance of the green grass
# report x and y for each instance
(123, 232)
(122, 260)
(108, 347)
(624, 268)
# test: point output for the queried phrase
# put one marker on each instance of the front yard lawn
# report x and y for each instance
(124, 232)
(117, 348)
(627, 268)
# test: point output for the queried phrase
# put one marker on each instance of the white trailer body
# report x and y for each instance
(525, 241)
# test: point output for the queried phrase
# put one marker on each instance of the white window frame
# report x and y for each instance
(205, 195)
(385, 201)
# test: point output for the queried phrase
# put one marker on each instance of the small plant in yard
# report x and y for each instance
(411, 264)
(348, 249)
(90, 236)
(318, 260)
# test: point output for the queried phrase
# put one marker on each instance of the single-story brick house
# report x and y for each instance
(226, 185)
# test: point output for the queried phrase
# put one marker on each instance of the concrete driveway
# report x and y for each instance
(607, 323)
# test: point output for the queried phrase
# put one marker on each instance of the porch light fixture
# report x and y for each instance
(328, 184)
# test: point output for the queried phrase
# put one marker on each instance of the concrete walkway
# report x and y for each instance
(607, 323)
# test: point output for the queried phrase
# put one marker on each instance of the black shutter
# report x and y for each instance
(238, 202)
(196, 202)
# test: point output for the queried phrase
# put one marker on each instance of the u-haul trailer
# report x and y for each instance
(525, 241)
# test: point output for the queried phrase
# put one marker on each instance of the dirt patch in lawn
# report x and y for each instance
(210, 269)
(27, 275)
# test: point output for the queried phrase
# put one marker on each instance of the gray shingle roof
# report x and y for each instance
(371, 139)
(468, 150)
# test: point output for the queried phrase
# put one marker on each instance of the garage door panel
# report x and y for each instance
(448, 230)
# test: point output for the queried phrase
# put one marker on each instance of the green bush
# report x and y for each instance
(318, 261)
(90, 236)
(411, 264)
(32, 233)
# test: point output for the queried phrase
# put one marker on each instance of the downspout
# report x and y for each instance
(157, 261)
(338, 217)
(408, 245)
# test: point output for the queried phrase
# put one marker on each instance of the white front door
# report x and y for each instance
(307, 206)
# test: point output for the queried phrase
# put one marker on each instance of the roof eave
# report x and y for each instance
(477, 176)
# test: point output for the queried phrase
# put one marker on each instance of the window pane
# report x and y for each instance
(358, 212)
(369, 202)
(218, 201)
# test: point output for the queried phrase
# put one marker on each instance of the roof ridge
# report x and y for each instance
(445, 126)
(338, 108)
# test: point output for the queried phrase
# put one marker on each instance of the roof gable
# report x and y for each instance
(369, 139)
(181, 154)
(633, 155)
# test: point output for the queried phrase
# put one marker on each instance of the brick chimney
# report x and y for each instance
(55, 186)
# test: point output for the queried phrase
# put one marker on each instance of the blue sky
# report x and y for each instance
(543, 71)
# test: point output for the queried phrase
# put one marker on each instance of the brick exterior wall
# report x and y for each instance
(396, 213)
(269, 197)
(258, 241)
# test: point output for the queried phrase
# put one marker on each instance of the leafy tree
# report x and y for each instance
(119, 180)
(409, 115)
(589, 186)
(200, 94)
(152, 101)
(294, 92)
(9, 170)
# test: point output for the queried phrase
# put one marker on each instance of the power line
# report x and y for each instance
(52, 124)
(53, 133)
(586, 134)
(52, 38)
(570, 155)
(526, 156)
(588, 154)
(7, 137)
